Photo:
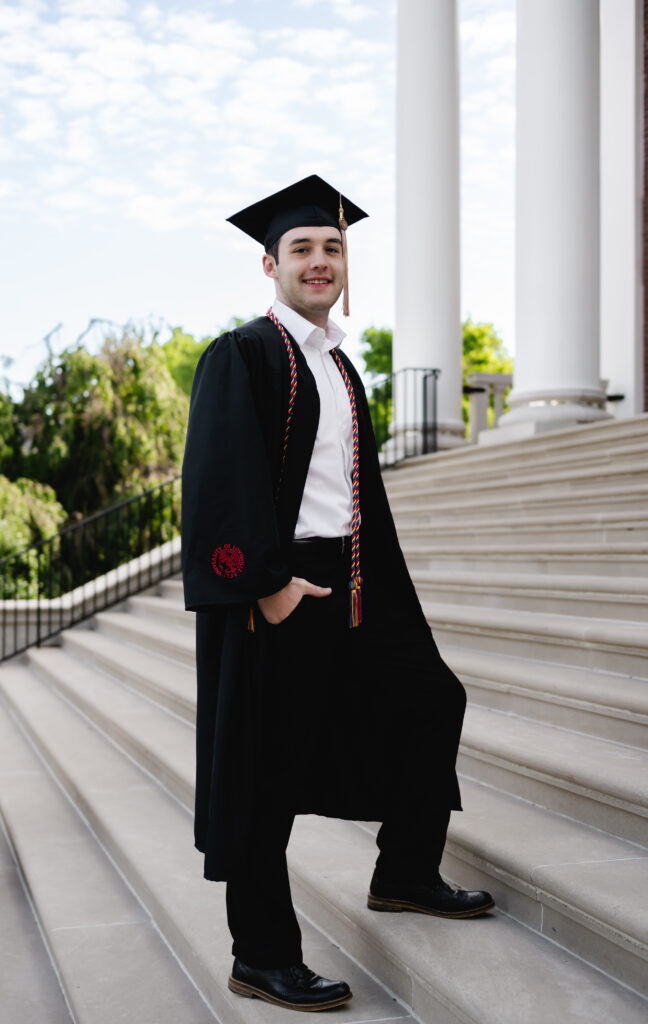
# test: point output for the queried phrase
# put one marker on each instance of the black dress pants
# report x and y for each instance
(308, 722)
(260, 913)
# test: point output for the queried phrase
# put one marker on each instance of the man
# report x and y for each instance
(320, 687)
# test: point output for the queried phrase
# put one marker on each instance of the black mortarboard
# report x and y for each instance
(307, 203)
(310, 202)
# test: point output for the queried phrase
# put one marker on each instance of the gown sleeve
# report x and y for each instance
(230, 540)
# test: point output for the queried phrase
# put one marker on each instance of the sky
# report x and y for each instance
(129, 131)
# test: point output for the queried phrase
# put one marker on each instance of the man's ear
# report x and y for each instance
(269, 265)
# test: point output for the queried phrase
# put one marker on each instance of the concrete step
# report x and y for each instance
(172, 589)
(529, 528)
(594, 781)
(590, 463)
(111, 961)
(526, 479)
(622, 559)
(168, 683)
(613, 707)
(610, 809)
(159, 609)
(489, 970)
(177, 644)
(160, 742)
(624, 598)
(618, 497)
(602, 645)
(148, 836)
(44, 702)
(573, 884)
(29, 988)
(572, 445)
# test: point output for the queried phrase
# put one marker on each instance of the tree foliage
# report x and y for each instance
(29, 512)
(182, 352)
(99, 427)
(483, 350)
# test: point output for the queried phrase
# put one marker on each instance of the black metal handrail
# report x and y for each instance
(403, 408)
(70, 576)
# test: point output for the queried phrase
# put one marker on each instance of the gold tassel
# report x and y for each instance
(355, 606)
(345, 256)
(251, 625)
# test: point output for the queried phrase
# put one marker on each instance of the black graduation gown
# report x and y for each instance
(403, 722)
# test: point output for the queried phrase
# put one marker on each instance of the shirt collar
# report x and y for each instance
(306, 333)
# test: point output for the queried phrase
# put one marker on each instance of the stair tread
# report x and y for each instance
(152, 604)
(605, 586)
(638, 547)
(29, 990)
(146, 735)
(541, 446)
(602, 767)
(165, 743)
(475, 967)
(168, 681)
(97, 930)
(141, 628)
(159, 861)
(553, 854)
(564, 682)
(517, 479)
(587, 630)
(520, 518)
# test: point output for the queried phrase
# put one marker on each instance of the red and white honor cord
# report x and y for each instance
(355, 582)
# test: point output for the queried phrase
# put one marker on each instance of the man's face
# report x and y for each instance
(309, 273)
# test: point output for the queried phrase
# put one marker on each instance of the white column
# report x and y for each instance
(621, 200)
(428, 320)
(557, 373)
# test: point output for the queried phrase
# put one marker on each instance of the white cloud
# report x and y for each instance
(328, 44)
(94, 8)
(489, 33)
(37, 120)
(349, 10)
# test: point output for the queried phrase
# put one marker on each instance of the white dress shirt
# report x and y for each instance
(327, 504)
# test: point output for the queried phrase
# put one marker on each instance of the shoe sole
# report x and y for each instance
(241, 988)
(395, 906)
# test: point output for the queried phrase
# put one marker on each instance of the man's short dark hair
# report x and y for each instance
(273, 250)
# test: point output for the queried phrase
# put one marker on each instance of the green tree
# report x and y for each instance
(483, 350)
(100, 427)
(182, 352)
(7, 429)
(377, 350)
(377, 356)
(29, 512)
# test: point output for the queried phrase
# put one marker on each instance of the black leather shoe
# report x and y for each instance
(437, 898)
(296, 988)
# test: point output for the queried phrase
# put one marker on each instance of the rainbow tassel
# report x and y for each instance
(355, 605)
(251, 625)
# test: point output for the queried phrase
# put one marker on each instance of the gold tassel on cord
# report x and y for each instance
(345, 255)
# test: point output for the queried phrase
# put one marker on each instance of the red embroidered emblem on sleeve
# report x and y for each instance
(228, 561)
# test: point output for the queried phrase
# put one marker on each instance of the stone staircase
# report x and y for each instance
(531, 560)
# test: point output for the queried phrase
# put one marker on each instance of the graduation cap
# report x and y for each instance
(311, 202)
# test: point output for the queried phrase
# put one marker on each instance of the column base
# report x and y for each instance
(535, 413)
